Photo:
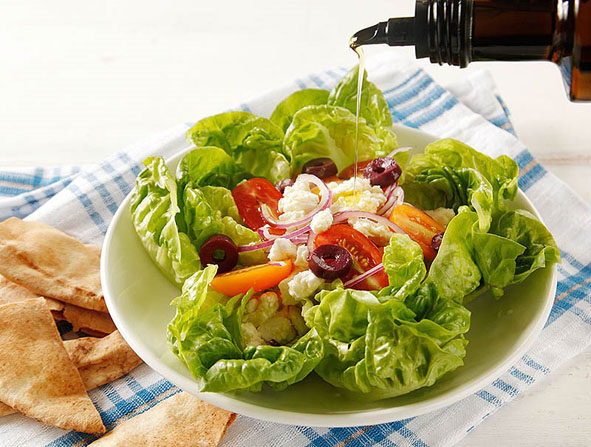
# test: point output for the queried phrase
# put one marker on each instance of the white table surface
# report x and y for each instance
(81, 80)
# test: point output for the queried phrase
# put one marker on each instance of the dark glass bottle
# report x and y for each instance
(458, 32)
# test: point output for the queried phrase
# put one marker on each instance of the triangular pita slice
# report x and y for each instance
(99, 361)
(37, 377)
(88, 321)
(50, 263)
(181, 419)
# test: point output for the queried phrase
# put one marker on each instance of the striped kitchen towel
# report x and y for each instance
(82, 201)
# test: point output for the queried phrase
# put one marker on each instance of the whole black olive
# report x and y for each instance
(330, 261)
(220, 250)
(320, 167)
(436, 241)
(284, 184)
(382, 171)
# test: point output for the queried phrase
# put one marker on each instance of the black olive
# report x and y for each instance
(320, 167)
(330, 261)
(284, 184)
(382, 171)
(436, 241)
(219, 250)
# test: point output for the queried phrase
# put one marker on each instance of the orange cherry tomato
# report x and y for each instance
(364, 252)
(250, 195)
(258, 277)
(419, 226)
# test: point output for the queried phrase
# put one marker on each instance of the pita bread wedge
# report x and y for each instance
(89, 321)
(37, 377)
(181, 419)
(51, 263)
(101, 360)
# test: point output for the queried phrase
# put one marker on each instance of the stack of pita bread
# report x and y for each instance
(46, 275)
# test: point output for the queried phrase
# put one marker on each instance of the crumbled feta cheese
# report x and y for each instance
(304, 284)
(277, 328)
(302, 255)
(442, 215)
(297, 201)
(267, 305)
(250, 335)
(365, 197)
(378, 233)
(321, 221)
(282, 249)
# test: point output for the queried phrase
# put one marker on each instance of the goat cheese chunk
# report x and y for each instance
(378, 233)
(282, 249)
(297, 201)
(321, 221)
(364, 197)
(304, 284)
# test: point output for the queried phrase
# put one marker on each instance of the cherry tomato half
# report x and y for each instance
(258, 277)
(419, 226)
(364, 252)
(250, 195)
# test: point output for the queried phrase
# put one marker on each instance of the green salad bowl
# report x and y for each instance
(138, 297)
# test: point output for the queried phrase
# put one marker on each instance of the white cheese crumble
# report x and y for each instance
(297, 201)
(304, 284)
(442, 215)
(365, 197)
(282, 249)
(250, 335)
(321, 221)
(301, 259)
(378, 233)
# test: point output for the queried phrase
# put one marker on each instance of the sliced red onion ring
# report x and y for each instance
(346, 215)
(300, 235)
(395, 198)
(370, 272)
(311, 238)
(324, 202)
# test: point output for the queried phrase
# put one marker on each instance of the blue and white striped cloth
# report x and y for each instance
(81, 201)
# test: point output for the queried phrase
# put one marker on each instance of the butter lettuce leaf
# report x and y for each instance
(403, 263)
(210, 342)
(154, 213)
(254, 143)
(210, 166)
(286, 109)
(329, 131)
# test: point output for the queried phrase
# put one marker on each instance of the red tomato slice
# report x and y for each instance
(364, 252)
(419, 226)
(250, 195)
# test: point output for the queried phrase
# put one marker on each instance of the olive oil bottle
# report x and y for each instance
(458, 32)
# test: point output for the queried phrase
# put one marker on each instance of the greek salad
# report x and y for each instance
(293, 259)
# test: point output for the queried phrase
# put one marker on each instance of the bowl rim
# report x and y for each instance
(365, 417)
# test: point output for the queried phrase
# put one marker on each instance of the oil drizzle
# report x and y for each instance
(360, 75)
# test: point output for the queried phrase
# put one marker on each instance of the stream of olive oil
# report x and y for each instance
(360, 73)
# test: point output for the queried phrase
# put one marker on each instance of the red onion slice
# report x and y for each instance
(395, 198)
(260, 246)
(297, 235)
(324, 202)
(265, 234)
(370, 272)
(346, 215)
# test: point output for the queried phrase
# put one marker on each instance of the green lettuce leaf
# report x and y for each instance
(451, 174)
(253, 142)
(210, 343)
(211, 210)
(329, 131)
(540, 248)
(373, 108)
(376, 347)
(286, 109)
(208, 166)
(154, 210)
(403, 263)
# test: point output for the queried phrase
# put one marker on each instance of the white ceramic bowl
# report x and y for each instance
(138, 298)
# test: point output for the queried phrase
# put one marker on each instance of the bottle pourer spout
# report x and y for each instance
(394, 32)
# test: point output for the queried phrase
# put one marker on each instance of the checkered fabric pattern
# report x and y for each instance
(82, 200)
